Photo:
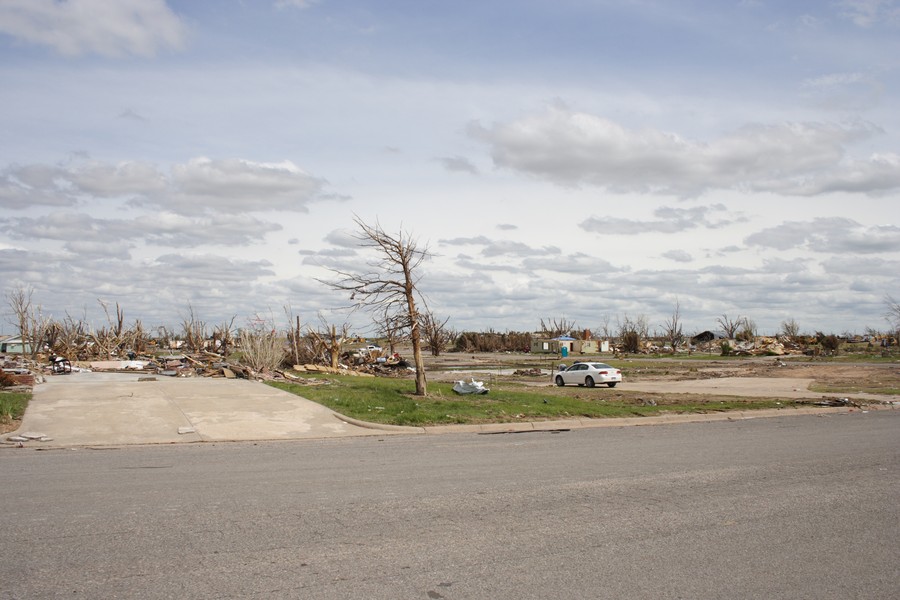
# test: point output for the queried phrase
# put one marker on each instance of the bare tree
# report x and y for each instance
(604, 329)
(790, 329)
(108, 338)
(19, 300)
(294, 335)
(390, 330)
(672, 328)
(893, 314)
(390, 286)
(329, 342)
(32, 323)
(194, 331)
(631, 333)
(747, 331)
(435, 333)
(730, 326)
(556, 327)
(261, 347)
(223, 338)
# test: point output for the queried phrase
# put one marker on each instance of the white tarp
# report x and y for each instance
(470, 387)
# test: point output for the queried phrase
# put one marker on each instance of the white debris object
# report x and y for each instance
(470, 387)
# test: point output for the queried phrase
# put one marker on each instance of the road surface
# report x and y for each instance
(793, 507)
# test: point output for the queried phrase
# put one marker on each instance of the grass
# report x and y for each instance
(851, 388)
(12, 406)
(391, 401)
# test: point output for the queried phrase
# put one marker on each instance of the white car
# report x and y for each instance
(589, 374)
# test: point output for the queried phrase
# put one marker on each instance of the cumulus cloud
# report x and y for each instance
(866, 13)
(832, 235)
(669, 220)
(575, 148)
(34, 185)
(876, 175)
(77, 27)
(458, 164)
(201, 185)
(494, 248)
(163, 229)
(294, 3)
(236, 184)
(678, 256)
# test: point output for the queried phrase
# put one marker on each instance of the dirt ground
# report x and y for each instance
(873, 378)
(869, 377)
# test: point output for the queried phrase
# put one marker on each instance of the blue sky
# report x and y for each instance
(584, 160)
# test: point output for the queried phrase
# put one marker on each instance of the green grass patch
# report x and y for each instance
(13, 405)
(850, 388)
(392, 401)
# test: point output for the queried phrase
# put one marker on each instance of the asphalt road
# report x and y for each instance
(792, 507)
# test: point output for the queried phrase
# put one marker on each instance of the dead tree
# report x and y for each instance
(329, 342)
(294, 335)
(631, 333)
(390, 285)
(790, 329)
(893, 315)
(672, 328)
(390, 331)
(33, 325)
(261, 348)
(223, 338)
(194, 331)
(435, 333)
(730, 326)
(556, 327)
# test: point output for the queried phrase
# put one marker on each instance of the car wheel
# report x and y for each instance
(559, 381)
(589, 381)
(612, 383)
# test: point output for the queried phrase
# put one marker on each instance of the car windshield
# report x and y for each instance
(601, 366)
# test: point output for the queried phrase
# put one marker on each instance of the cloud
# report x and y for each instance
(280, 4)
(493, 248)
(832, 235)
(162, 229)
(866, 13)
(77, 27)
(201, 185)
(670, 220)
(877, 175)
(34, 185)
(678, 256)
(242, 185)
(577, 263)
(574, 148)
(458, 164)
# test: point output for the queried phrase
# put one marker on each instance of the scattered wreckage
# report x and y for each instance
(364, 362)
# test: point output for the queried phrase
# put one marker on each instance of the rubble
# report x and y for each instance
(176, 361)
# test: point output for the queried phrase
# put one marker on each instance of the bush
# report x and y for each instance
(830, 343)
(726, 348)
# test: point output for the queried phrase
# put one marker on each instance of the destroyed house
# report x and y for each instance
(13, 344)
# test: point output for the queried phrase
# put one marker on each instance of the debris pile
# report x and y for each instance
(535, 372)
(470, 387)
(365, 362)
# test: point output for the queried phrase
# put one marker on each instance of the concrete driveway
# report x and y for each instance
(85, 409)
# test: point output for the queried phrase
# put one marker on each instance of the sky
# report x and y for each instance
(578, 160)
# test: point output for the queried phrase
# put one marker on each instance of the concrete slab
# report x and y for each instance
(88, 409)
